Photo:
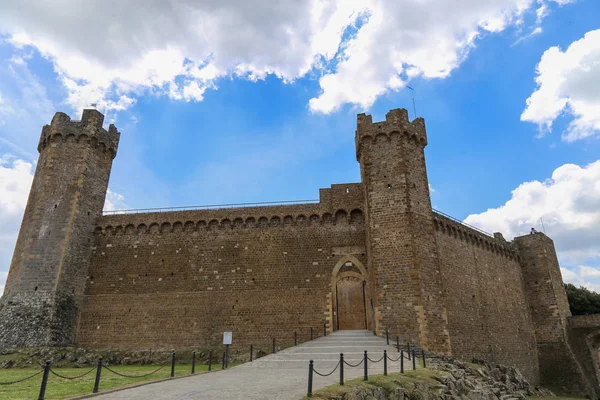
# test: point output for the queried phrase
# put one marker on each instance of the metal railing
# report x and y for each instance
(462, 223)
(209, 207)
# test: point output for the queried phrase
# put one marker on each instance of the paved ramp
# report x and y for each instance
(280, 376)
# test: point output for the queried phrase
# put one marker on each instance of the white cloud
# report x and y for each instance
(15, 181)
(114, 201)
(582, 275)
(567, 207)
(568, 82)
(109, 53)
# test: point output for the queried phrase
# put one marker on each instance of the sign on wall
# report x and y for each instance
(227, 337)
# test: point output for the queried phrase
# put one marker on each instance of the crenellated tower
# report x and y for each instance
(46, 281)
(401, 245)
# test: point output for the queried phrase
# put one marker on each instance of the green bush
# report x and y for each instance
(582, 301)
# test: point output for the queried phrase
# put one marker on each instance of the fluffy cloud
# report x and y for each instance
(568, 82)
(568, 206)
(15, 180)
(109, 52)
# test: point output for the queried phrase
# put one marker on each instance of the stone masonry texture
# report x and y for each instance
(370, 255)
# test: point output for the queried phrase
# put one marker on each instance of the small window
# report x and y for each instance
(389, 186)
(347, 190)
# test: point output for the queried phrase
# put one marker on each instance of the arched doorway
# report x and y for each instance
(350, 294)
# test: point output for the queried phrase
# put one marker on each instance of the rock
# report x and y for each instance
(398, 394)
(496, 374)
(7, 364)
(461, 387)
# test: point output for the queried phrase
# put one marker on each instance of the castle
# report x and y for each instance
(369, 255)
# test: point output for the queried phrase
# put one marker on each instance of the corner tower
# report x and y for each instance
(550, 311)
(46, 280)
(401, 245)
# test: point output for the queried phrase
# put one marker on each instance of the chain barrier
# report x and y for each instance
(134, 376)
(71, 378)
(353, 366)
(373, 361)
(21, 380)
(318, 373)
(394, 360)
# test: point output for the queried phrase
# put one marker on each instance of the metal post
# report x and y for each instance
(44, 380)
(402, 361)
(398, 343)
(387, 336)
(173, 365)
(193, 362)
(251, 353)
(408, 349)
(414, 360)
(295, 339)
(365, 361)
(226, 356)
(209, 360)
(424, 362)
(311, 333)
(324, 330)
(223, 361)
(385, 362)
(273, 345)
(98, 373)
(342, 369)
(310, 378)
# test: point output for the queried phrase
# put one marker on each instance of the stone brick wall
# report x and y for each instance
(46, 280)
(180, 279)
(488, 313)
(584, 339)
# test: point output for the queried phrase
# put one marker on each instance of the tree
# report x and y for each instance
(582, 301)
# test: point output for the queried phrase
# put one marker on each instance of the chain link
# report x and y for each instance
(318, 373)
(21, 380)
(71, 378)
(350, 365)
(135, 376)
(373, 361)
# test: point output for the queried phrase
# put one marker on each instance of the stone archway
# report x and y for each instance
(351, 297)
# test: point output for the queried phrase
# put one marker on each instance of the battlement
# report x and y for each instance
(89, 128)
(396, 124)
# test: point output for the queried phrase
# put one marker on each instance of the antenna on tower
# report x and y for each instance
(413, 100)
(543, 227)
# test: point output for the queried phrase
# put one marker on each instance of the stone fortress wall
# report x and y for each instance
(180, 279)
(370, 255)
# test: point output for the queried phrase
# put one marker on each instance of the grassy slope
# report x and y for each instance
(392, 381)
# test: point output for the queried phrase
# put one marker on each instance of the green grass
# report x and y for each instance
(61, 388)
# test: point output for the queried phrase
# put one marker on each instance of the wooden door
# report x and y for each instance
(351, 303)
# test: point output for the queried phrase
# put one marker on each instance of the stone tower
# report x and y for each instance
(402, 252)
(45, 285)
(549, 307)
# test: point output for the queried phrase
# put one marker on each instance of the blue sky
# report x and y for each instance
(235, 102)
